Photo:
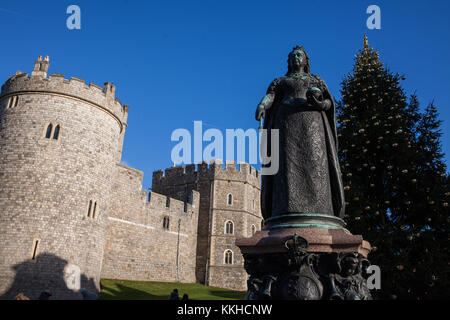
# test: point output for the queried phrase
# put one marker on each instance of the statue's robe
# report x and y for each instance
(309, 178)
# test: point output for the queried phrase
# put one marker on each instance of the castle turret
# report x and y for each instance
(41, 67)
(229, 209)
(60, 142)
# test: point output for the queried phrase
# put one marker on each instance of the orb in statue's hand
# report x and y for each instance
(314, 96)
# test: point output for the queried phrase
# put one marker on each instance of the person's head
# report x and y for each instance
(21, 296)
(45, 295)
(298, 60)
(175, 290)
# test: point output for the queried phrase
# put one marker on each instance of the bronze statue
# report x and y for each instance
(298, 255)
(301, 107)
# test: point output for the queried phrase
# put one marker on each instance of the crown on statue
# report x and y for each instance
(298, 48)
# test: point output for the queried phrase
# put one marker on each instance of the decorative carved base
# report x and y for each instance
(293, 271)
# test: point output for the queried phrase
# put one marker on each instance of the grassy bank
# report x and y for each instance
(145, 290)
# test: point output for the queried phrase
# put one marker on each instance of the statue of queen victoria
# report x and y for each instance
(308, 181)
(304, 252)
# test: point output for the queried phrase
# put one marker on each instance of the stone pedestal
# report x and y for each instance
(305, 257)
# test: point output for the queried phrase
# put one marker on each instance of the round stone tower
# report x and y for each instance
(60, 141)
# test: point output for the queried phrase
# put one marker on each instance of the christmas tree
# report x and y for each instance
(395, 180)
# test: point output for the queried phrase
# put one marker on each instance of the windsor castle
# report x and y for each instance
(71, 213)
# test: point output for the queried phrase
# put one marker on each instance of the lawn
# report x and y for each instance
(145, 290)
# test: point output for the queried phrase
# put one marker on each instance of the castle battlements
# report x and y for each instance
(181, 208)
(129, 180)
(61, 147)
(192, 173)
(76, 88)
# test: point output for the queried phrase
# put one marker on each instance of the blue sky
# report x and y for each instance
(175, 62)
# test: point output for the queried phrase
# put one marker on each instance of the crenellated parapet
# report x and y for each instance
(138, 205)
(215, 170)
(60, 142)
(75, 88)
(150, 236)
(158, 202)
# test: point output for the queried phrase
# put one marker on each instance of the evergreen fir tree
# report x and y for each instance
(395, 180)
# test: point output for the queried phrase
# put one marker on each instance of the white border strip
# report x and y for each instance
(144, 226)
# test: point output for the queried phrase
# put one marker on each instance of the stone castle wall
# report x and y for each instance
(137, 245)
(243, 213)
(50, 187)
(46, 184)
(178, 182)
(215, 183)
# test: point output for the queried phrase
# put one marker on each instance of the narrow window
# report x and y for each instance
(253, 229)
(166, 222)
(12, 102)
(8, 105)
(95, 210)
(15, 101)
(89, 209)
(48, 134)
(230, 199)
(229, 227)
(56, 132)
(34, 251)
(228, 257)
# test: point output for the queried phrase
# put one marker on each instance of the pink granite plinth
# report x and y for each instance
(320, 240)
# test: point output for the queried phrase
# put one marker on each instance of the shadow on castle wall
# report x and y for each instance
(46, 273)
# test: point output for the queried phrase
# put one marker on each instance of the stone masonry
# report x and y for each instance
(137, 245)
(71, 214)
(46, 184)
(216, 184)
